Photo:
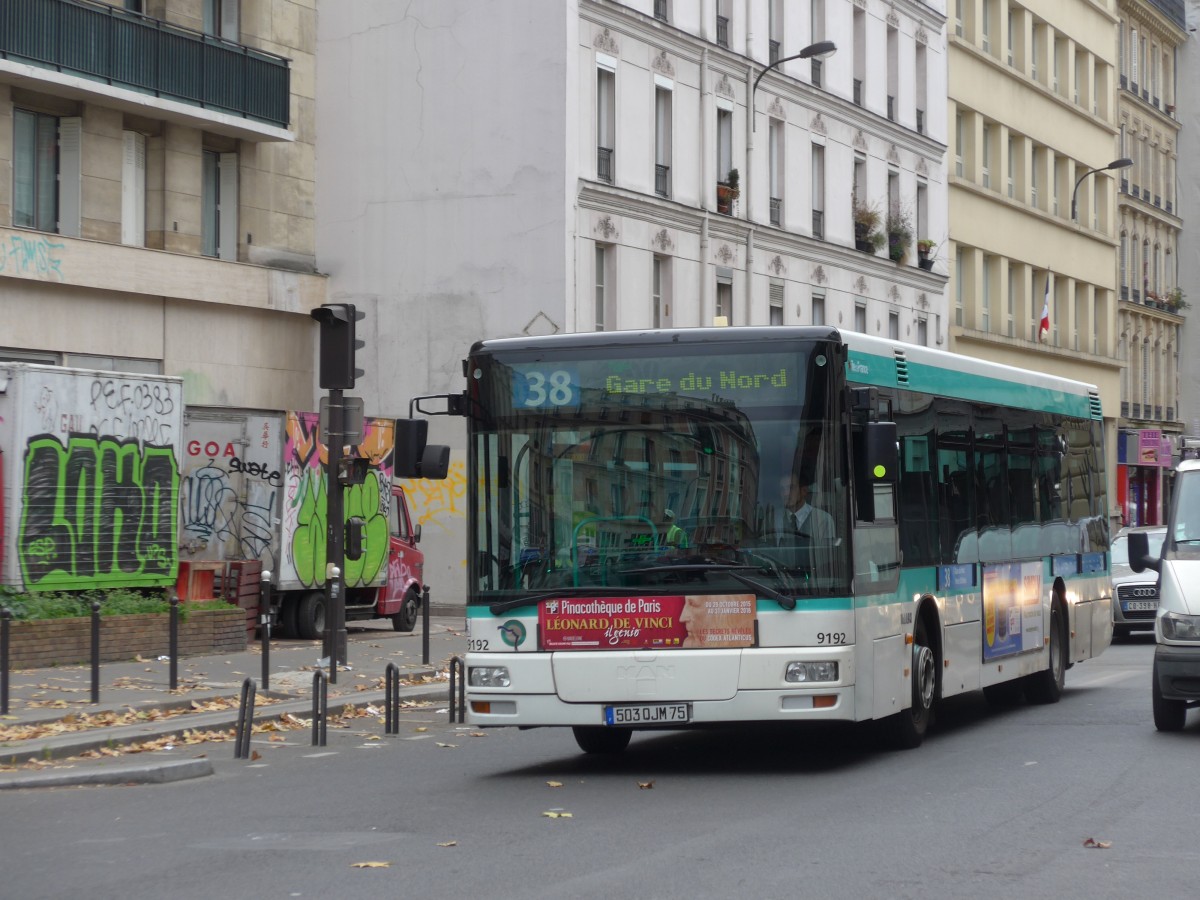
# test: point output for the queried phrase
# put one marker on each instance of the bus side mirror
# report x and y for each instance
(1139, 553)
(413, 457)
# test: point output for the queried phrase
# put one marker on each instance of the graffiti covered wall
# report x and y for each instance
(98, 483)
(304, 502)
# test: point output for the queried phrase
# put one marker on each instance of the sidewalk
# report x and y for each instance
(51, 717)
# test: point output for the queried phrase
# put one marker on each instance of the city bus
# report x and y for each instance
(862, 528)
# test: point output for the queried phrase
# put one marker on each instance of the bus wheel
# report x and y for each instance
(601, 739)
(909, 726)
(406, 619)
(1169, 715)
(1047, 686)
(310, 615)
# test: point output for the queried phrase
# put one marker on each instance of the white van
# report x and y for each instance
(1177, 625)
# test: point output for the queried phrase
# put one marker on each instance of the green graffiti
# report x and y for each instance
(97, 513)
(362, 500)
(308, 540)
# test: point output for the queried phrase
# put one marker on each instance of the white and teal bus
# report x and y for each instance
(859, 529)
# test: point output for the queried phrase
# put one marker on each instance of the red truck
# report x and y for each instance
(252, 489)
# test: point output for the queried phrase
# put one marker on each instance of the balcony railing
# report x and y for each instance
(1124, 81)
(722, 31)
(1137, 411)
(604, 164)
(117, 47)
(1137, 295)
(816, 73)
(891, 108)
(662, 180)
(1170, 207)
(819, 224)
(920, 121)
(1125, 409)
(1170, 414)
(1124, 292)
(660, 10)
(1157, 412)
(857, 95)
(776, 210)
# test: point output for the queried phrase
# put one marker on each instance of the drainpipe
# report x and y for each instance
(707, 188)
(749, 284)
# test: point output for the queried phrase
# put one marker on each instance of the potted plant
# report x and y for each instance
(1175, 301)
(727, 192)
(867, 235)
(899, 232)
(925, 251)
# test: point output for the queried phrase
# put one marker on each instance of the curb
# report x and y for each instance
(68, 745)
(154, 773)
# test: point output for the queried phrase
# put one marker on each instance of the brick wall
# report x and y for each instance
(63, 642)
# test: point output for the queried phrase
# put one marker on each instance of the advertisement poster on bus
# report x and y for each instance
(1012, 608)
(659, 623)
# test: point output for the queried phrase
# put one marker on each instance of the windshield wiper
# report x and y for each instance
(503, 606)
(733, 571)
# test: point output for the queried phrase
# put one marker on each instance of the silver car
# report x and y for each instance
(1135, 594)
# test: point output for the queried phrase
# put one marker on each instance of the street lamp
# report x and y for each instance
(1123, 163)
(820, 50)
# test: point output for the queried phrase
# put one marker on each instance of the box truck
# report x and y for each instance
(253, 488)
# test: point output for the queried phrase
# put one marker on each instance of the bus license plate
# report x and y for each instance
(648, 714)
(1137, 605)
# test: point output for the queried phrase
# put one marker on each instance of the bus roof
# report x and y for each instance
(942, 370)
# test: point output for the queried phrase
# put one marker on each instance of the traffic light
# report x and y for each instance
(338, 344)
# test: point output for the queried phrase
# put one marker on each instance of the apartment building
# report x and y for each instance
(1187, 185)
(533, 167)
(1151, 313)
(156, 192)
(1032, 190)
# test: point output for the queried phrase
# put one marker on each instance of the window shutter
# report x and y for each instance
(227, 207)
(230, 20)
(133, 189)
(70, 202)
(1133, 55)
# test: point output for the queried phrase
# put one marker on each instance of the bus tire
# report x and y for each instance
(1169, 715)
(908, 726)
(310, 615)
(1047, 686)
(601, 738)
(406, 619)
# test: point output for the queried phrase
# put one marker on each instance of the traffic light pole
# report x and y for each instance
(335, 636)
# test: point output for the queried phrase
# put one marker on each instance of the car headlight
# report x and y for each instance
(1177, 627)
(488, 676)
(826, 670)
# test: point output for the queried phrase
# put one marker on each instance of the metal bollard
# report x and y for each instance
(5, 623)
(391, 702)
(320, 707)
(264, 628)
(425, 626)
(245, 721)
(457, 679)
(95, 651)
(173, 652)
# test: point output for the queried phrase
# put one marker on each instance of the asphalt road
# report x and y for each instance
(995, 804)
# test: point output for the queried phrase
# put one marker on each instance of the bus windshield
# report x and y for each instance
(631, 469)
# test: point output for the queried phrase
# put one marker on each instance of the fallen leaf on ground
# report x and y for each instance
(254, 754)
(553, 814)
(371, 865)
(554, 783)
(1094, 844)
(448, 844)
(646, 785)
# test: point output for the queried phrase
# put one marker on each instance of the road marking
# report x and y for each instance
(319, 755)
(1097, 680)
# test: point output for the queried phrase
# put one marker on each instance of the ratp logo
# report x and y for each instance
(859, 368)
(513, 633)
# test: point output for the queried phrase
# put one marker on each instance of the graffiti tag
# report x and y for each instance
(32, 256)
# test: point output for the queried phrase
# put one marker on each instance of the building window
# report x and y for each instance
(959, 132)
(221, 18)
(860, 317)
(985, 30)
(723, 23)
(35, 170)
(776, 302)
(656, 291)
(218, 205)
(775, 30)
(133, 189)
(1012, 163)
(987, 155)
(1011, 23)
(1010, 317)
(923, 332)
(985, 299)
(922, 86)
(724, 145)
(818, 191)
(818, 309)
(958, 17)
(662, 142)
(606, 123)
(817, 21)
(660, 11)
(894, 326)
(860, 54)
(601, 298)
(893, 71)
(723, 313)
(775, 164)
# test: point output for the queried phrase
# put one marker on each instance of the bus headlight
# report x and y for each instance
(811, 671)
(1177, 627)
(488, 676)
